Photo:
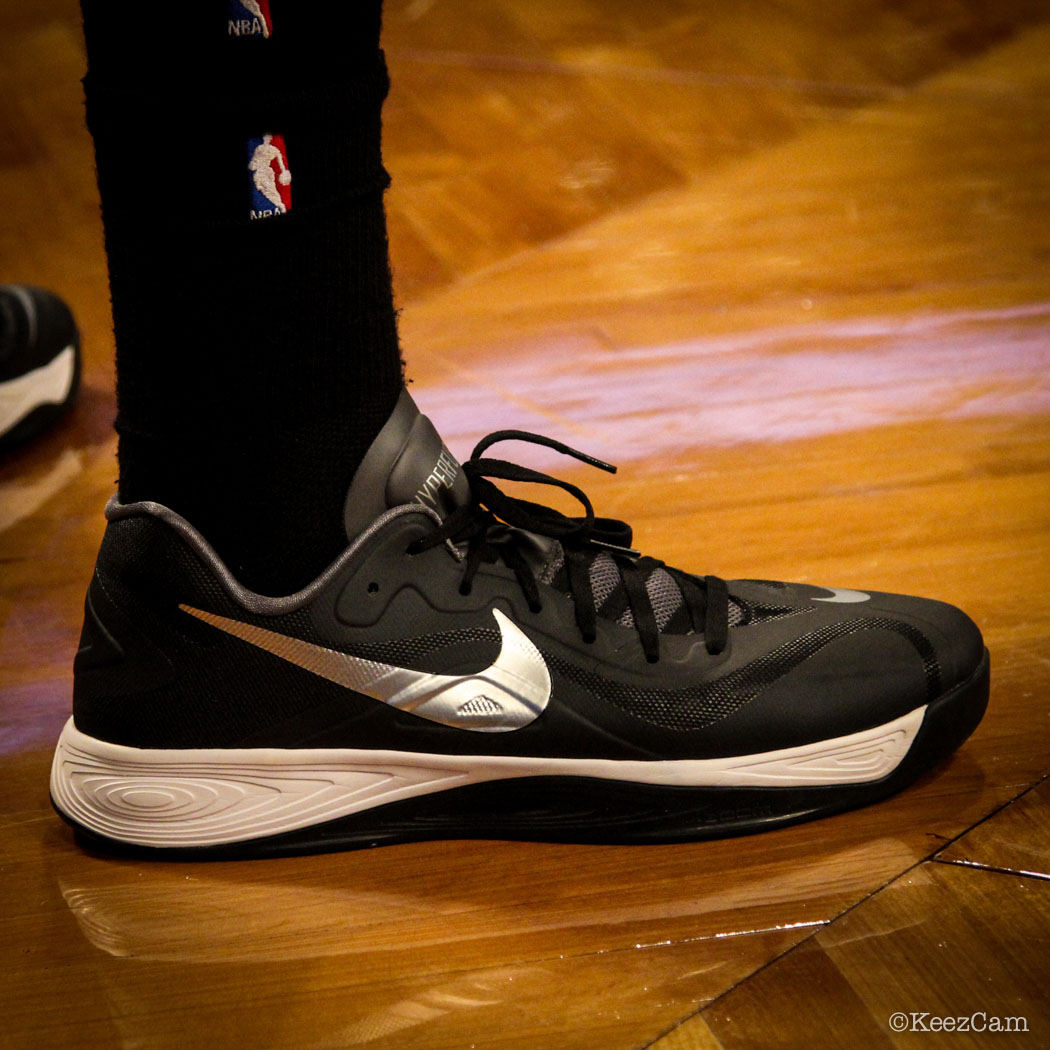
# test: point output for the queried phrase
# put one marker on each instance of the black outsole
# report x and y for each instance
(600, 812)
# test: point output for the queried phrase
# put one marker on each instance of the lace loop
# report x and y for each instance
(539, 439)
(482, 525)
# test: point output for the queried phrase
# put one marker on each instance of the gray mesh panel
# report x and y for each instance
(605, 578)
(664, 595)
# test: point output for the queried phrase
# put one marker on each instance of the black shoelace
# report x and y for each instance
(481, 525)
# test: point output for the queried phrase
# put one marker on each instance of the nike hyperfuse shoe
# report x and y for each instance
(475, 665)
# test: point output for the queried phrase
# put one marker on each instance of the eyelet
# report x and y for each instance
(373, 588)
(465, 589)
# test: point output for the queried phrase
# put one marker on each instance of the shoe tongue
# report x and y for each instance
(407, 463)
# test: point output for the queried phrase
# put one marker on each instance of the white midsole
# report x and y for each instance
(206, 797)
(47, 385)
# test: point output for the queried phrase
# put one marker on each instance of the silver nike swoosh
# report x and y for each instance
(508, 694)
(841, 594)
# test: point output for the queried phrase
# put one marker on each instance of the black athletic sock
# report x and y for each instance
(257, 352)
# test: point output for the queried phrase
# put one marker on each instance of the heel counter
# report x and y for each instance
(116, 661)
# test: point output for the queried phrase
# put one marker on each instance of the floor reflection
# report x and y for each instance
(382, 948)
(776, 385)
(275, 955)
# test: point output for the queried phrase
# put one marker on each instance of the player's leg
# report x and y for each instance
(256, 360)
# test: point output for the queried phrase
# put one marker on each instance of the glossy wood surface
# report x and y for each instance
(791, 271)
(1014, 840)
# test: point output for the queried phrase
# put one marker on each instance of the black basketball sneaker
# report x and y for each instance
(39, 362)
(475, 665)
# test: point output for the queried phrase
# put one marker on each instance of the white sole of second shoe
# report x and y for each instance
(48, 385)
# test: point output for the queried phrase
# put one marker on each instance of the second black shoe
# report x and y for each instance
(39, 362)
(480, 666)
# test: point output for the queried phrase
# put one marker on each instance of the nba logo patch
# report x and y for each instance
(271, 176)
(249, 18)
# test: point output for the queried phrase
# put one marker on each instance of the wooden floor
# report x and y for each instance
(789, 269)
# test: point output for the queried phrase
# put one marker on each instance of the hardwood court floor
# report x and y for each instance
(789, 269)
